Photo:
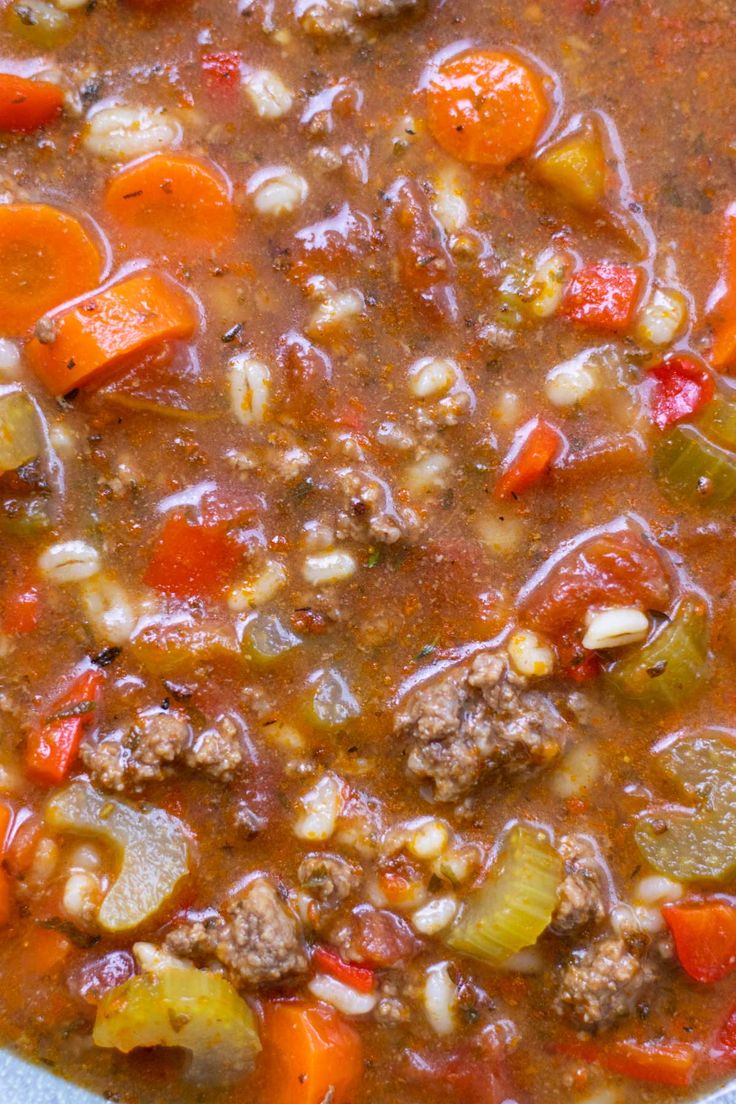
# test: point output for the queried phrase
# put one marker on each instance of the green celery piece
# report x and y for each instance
(516, 902)
(696, 844)
(718, 423)
(668, 669)
(692, 467)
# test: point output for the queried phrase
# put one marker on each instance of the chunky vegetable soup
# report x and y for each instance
(367, 496)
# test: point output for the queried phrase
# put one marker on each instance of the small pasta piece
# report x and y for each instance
(432, 377)
(662, 318)
(321, 809)
(250, 388)
(573, 381)
(502, 534)
(449, 206)
(428, 475)
(123, 133)
(530, 655)
(427, 839)
(435, 916)
(152, 959)
(507, 410)
(577, 772)
(109, 611)
(440, 999)
(44, 864)
(10, 367)
(268, 94)
(82, 895)
(325, 568)
(63, 440)
(612, 628)
(341, 996)
(336, 312)
(256, 592)
(655, 889)
(548, 283)
(69, 562)
(277, 192)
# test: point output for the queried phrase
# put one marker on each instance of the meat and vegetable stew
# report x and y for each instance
(367, 602)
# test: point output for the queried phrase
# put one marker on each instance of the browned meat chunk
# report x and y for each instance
(342, 17)
(257, 939)
(603, 982)
(153, 745)
(478, 719)
(329, 878)
(370, 513)
(375, 936)
(581, 898)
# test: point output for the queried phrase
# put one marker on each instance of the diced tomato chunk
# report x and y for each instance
(535, 449)
(604, 296)
(191, 560)
(705, 937)
(658, 1063)
(53, 745)
(221, 70)
(682, 386)
(21, 610)
(723, 1049)
(330, 962)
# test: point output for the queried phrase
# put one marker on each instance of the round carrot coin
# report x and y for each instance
(46, 258)
(486, 108)
(174, 196)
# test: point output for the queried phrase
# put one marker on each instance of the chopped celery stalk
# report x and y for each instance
(576, 168)
(182, 1007)
(697, 844)
(332, 702)
(515, 904)
(20, 440)
(695, 468)
(718, 422)
(39, 23)
(667, 669)
(266, 639)
(151, 848)
(175, 647)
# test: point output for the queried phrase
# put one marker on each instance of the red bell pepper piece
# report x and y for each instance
(536, 446)
(53, 745)
(330, 962)
(723, 1049)
(723, 313)
(705, 937)
(221, 71)
(656, 1063)
(681, 387)
(191, 560)
(21, 610)
(603, 296)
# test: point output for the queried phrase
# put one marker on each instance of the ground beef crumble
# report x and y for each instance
(581, 898)
(257, 938)
(370, 513)
(154, 744)
(602, 982)
(328, 18)
(477, 719)
(329, 878)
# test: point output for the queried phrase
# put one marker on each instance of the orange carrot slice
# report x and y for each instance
(310, 1054)
(95, 337)
(486, 108)
(175, 196)
(27, 104)
(46, 257)
(724, 313)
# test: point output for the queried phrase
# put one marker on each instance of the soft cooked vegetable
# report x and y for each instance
(705, 937)
(604, 296)
(693, 468)
(191, 560)
(723, 315)
(182, 1007)
(40, 23)
(99, 335)
(486, 108)
(575, 166)
(310, 1054)
(327, 960)
(516, 902)
(150, 845)
(46, 258)
(697, 844)
(723, 1049)
(331, 702)
(659, 1063)
(27, 104)
(671, 666)
(267, 639)
(20, 609)
(718, 423)
(681, 387)
(53, 744)
(175, 196)
(536, 447)
(221, 71)
(171, 647)
(20, 438)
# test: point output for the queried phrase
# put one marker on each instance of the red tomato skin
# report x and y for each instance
(681, 387)
(603, 296)
(191, 561)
